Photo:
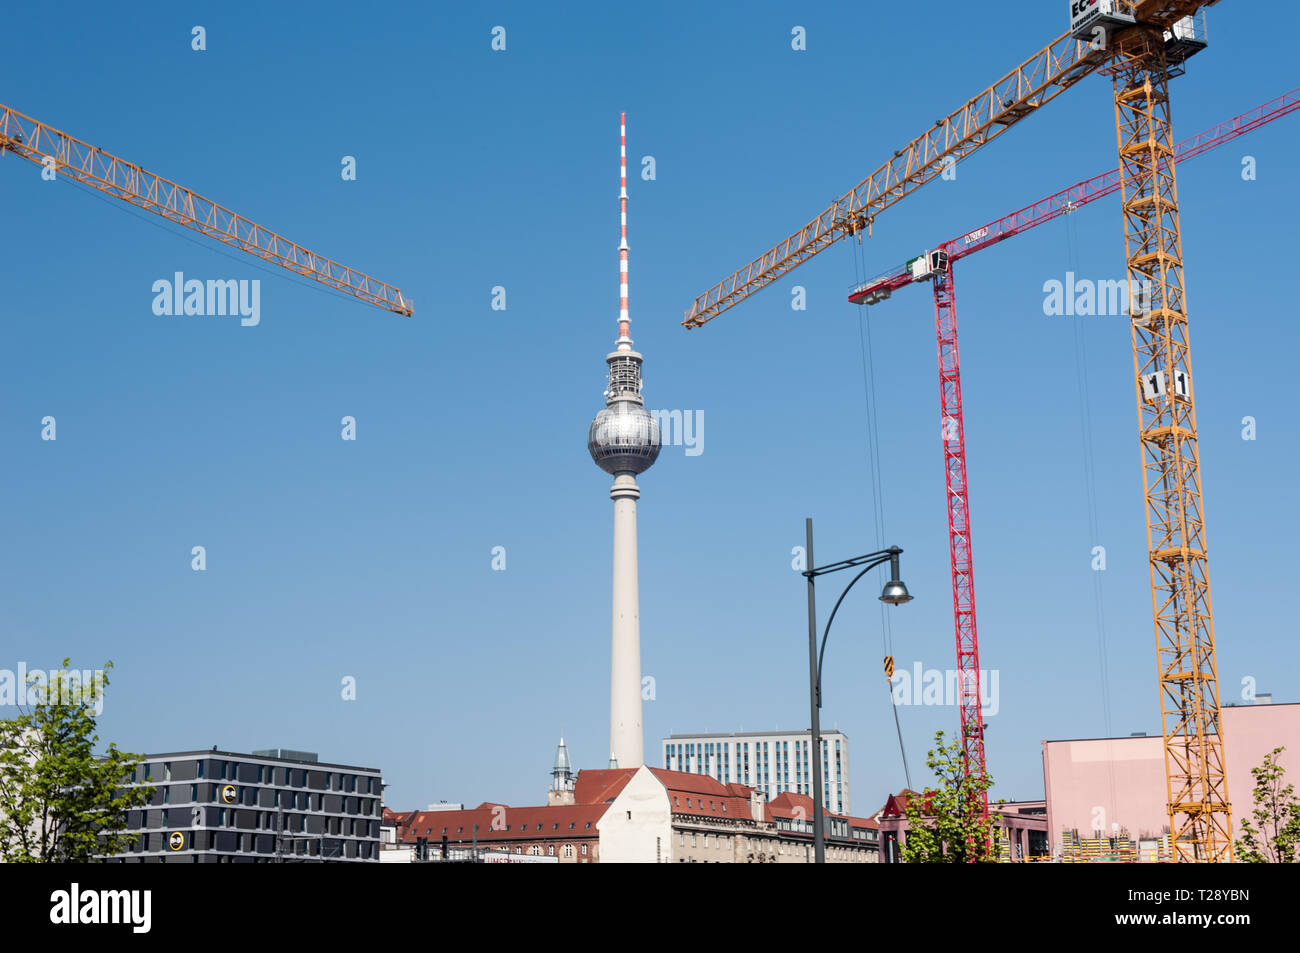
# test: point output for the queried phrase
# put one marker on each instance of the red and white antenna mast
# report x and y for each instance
(624, 322)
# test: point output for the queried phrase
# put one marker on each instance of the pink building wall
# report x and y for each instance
(1096, 782)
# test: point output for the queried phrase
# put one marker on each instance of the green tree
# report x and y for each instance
(944, 824)
(59, 802)
(1274, 838)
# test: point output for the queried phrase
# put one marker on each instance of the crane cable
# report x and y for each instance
(1090, 498)
(873, 438)
(902, 750)
(877, 487)
(182, 232)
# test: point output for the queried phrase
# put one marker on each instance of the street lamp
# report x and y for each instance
(895, 594)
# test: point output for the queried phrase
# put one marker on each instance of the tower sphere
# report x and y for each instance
(624, 438)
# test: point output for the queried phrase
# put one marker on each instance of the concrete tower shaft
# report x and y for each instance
(626, 733)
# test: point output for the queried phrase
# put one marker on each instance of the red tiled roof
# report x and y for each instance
(499, 822)
(695, 794)
(396, 819)
(688, 781)
(789, 804)
(689, 794)
(896, 805)
(700, 795)
(600, 786)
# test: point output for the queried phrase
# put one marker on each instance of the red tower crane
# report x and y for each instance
(936, 266)
(1140, 45)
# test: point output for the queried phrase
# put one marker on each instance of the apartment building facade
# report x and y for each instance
(773, 762)
(262, 807)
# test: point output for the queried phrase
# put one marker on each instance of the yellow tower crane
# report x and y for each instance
(1141, 45)
(66, 155)
(1149, 43)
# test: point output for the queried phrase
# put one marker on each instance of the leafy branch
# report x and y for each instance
(59, 802)
(946, 823)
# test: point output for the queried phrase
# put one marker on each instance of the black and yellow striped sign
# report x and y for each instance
(889, 666)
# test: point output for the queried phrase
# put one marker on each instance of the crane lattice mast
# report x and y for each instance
(1200, 816)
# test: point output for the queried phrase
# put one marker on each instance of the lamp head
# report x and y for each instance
(895, 593)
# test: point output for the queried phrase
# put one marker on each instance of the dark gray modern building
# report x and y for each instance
(266, 807)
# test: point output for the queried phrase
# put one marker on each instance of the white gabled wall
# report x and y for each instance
(646, 835)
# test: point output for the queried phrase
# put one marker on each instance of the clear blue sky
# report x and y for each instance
(372, 559)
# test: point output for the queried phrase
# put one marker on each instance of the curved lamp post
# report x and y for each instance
(895, 594)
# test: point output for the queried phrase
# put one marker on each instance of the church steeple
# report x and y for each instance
(561, 777)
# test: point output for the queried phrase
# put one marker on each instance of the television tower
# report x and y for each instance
(624, 441)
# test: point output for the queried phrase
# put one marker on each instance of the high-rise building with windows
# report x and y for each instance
(268, 806)
(771, 761)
